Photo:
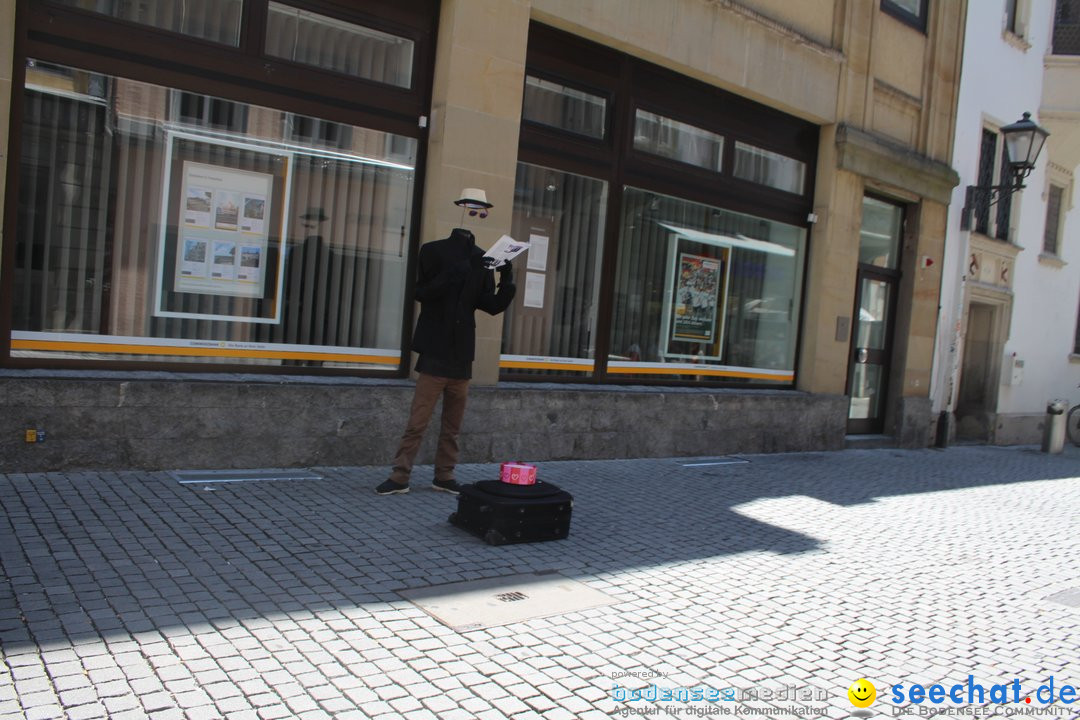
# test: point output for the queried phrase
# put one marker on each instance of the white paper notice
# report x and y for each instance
(538, 248)
(534, 290)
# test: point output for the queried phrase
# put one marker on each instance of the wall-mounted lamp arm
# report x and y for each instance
(979, 197)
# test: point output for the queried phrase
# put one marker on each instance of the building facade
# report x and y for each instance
(1007, 344)
(736, 213)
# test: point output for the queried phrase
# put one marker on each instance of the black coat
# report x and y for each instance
(451, 284)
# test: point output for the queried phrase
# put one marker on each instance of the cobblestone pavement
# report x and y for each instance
(129, 595)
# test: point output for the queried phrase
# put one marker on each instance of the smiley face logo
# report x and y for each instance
(862, 693)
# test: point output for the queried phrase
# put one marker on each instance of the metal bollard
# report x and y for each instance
(1054, 428)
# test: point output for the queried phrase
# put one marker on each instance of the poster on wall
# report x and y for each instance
(695, 301)
(220, 253)
(223, 234)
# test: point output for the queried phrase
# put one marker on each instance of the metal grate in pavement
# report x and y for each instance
(489, 602)
(1069, 597)
(207, 477)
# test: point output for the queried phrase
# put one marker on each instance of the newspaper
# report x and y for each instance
(505, 248)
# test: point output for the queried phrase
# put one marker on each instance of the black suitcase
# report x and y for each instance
(502, 513)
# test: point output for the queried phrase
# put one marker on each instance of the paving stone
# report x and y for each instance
(803, 568)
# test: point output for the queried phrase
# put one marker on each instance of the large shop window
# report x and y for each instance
(155, 224)
(550, 327)
(703, 292)
(667, 223)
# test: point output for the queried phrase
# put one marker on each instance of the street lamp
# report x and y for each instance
(1023, 142)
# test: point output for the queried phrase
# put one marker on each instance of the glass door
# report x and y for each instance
(875, 299)
(870, 350)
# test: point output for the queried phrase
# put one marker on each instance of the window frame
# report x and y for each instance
(1076, 336)
(1057, 222)
(999, 216)
(633, 84)
(917, 21)
(60, 33)
(103, 44)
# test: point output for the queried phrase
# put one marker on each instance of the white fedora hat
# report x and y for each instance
(473, 198)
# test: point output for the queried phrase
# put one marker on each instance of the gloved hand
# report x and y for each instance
(506, 269)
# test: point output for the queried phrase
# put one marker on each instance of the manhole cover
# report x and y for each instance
(478, 604)
(1069, 597)
(207, 477)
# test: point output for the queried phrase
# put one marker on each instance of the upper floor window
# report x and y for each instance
(1016, 17)
(1011, 16)
(993, 170)
(912, 12)
(563, 107)
(1052, 231)
(1067, 28)
(1076, 337)
(769, 168)
(331, 44)
(676, 140)
(218, 21)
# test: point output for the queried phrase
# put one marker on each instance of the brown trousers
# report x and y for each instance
(454, 394)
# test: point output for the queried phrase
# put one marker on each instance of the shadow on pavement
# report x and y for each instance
(92, 555)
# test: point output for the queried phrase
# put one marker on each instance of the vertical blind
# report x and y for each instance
(757, 304)
(568, 211)
(216, 20)
(89, 221)
(306, 37)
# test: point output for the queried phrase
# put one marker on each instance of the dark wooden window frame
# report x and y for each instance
(905, 16)
(631, 83)
(102, 44)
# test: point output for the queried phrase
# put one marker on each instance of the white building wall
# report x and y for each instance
(1001, 79)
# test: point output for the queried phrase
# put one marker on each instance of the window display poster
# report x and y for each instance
(696, 290)
(223, 236)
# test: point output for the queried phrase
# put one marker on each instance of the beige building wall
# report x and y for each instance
(883, 93)
(473, 136)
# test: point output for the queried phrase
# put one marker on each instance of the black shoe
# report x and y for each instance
(389, 487)
(446, 486)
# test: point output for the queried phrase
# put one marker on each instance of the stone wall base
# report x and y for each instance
(166, 421)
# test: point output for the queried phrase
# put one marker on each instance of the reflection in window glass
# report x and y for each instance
(564, 107)
(704, 293)
(549, 328)
(216, 20)
(879, 236)
(769, 168)
(208, 111)
(676, 140)
(325, 42)
(276, 249)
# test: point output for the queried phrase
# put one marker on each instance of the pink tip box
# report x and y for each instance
(517, 473)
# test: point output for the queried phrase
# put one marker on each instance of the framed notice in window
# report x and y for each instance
(220, 245)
